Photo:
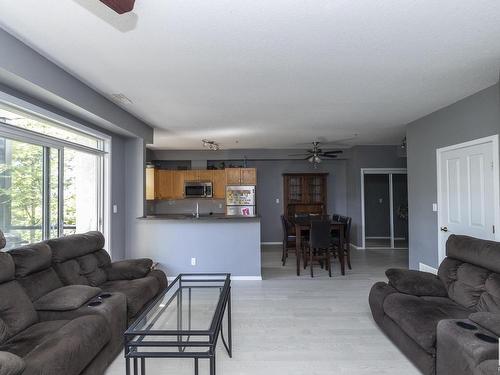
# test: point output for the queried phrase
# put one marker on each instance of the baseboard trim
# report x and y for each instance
(272, 243)
(234, 278)
(425, 268)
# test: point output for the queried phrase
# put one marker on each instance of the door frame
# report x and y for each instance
(493, 139)
(390, 172)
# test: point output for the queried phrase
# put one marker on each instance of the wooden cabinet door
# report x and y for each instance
(248, 176)
(233, 176)
(150, 184)
(205, 175)
(191, 175)
(219, 184)
(178, 184)
(164, 184)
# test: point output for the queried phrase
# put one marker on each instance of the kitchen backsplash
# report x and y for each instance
(186, 206)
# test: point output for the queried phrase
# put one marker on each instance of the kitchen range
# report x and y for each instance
(202, 221)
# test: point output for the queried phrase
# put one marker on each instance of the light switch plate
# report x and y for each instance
(277, 200)
(115, 209)
(434, 207)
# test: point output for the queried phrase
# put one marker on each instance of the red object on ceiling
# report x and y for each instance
(120, 6)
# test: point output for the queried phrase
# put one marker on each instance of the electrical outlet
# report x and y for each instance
(193, 262)
(220, 205)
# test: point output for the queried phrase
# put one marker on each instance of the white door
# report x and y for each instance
(468, 195)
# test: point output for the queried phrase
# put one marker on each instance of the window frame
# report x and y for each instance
(48, 142)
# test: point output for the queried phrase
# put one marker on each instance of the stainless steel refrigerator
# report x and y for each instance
(240, 200)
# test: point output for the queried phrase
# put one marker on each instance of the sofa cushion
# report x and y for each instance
(3, 241)
(11, 364)
(471, 286)
(69, 297)
(7, 267)
(481, 253)
(416, 283)
(75, 245)
(418, 316)
(138, 292)
(61, 346)
(129, 269)
(69, 273)
(16, 310)
(31, 258)
(40, 283)
(25, 341)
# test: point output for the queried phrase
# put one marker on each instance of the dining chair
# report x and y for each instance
(319, 244)
(347, 239)
(288, 239)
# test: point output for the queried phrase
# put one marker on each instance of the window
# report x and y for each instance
(51, 178)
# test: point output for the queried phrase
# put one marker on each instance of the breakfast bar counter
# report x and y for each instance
(210, 243)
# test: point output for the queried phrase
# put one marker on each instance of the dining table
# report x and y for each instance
(303, 224)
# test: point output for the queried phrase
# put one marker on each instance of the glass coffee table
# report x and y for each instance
(185, 321)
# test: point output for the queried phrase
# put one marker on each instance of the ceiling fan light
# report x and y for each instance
(311, 159)
(317, 159)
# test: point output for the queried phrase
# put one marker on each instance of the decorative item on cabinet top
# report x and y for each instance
(162, 184)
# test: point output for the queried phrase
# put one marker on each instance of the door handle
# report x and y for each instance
(443, 229)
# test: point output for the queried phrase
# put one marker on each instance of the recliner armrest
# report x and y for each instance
(487, 320)
(66, 298)
(416, 283)
(129, 269)
(11, 364)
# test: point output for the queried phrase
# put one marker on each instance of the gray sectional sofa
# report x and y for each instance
(64, 306)
(447, 324)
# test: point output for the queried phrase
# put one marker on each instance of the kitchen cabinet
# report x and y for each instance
(150, 184)
(164, 184)
(304, 193)
(219, 184)
(169, 184)
(178, 184)
(241, 176)
(191, 175)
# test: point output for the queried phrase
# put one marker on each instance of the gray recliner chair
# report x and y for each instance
(447, 324)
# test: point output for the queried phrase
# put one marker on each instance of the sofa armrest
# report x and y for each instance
(416, 283)
(487, 320)
(129, 269)
(11, 364)
(67, 298)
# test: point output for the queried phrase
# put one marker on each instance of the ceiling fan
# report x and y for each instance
(316, 155)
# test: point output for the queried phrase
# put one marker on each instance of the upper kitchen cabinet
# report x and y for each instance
(241, 176)
(164, 183)
(219, 183)
(191, 175)
(150, 184)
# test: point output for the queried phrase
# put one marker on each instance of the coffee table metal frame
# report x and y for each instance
(138, 339)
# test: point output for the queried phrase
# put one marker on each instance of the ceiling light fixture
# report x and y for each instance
(211, 145)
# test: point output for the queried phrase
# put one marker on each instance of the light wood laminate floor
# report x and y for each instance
(286, 325)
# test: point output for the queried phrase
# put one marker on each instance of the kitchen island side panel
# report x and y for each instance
(227, 246)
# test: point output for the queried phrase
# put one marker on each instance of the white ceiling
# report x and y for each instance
(271, 73)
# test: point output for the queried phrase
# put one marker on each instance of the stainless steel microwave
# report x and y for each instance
(198, 189)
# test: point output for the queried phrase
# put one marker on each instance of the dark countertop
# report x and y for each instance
(203, 217)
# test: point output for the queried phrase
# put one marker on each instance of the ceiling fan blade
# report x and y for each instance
(303, 154)
(332, 152)
(328, 157)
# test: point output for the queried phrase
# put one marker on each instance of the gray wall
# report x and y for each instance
(366, 157)
(473, 117)
(27, 75)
